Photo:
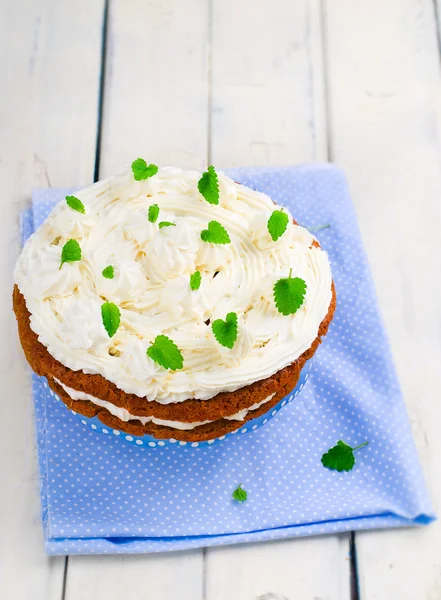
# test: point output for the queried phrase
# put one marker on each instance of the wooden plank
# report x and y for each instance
(267, 83)
(384, 88)
(278, 570)
(268, 108)
(49, 61)
(156, 576)
(155, 106)
(156, 96)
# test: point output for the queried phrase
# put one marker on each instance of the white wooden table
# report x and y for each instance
(86, 86)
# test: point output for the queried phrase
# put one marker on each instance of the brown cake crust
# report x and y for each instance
(222, 405)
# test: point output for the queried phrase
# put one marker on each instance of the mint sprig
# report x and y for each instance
(208, 185)
(165, 352)
(289, 294)
(277, 224)
(163, 224)
(111, 317)
(153, 213)
(71, 252)
(239, 494)
(341, 456)
(215, 234)
(108, 272)
(226, 331)
(195, 280)
(75, 204)
(141, 170)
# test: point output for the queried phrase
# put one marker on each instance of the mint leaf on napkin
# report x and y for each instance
(240, 494)
(341, 456)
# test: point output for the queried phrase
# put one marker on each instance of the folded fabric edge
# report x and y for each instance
(144, 545)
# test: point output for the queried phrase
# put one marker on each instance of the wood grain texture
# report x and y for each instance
(48, 125)
(158, 576)
(294, 569)
(266, 83)
(385, 91)
(156, 97)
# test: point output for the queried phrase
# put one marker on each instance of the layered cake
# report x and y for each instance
(171, 303)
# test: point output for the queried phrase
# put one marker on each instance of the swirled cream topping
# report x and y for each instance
(152, 269)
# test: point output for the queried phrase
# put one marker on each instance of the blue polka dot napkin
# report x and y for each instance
(101, 494)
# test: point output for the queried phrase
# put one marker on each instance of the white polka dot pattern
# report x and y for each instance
(103, 494)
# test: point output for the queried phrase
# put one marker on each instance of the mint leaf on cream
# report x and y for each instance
(277, 224)
(153, 213)
(71, 252)
(215, 234)
(226, 331)
(341, 456)
(195, 280)
(166, 224)
(240, 494)
(108, 272)
(165, 352)
(289, 294)
(111, 316)
(75, 204)
(141, 170)
(208, 185)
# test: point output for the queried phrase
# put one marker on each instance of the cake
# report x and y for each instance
(171, 303)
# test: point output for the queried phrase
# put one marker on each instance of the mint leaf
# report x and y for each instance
(341, 456)
(153, 213)
(141, 170)
(166, 224)
(240, 494)
(71, 252)
(226, 331)
(215, 234)
(277, 224)
(289, 294)
(111, 316)
(75, 203)
(195, 280)
(165, 352)
(208, 185)
(108, 272)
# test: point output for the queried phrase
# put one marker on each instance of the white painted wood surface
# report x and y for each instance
(385, 102)
(227, 82)
(47, 137)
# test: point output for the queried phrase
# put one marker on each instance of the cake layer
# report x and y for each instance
(208, 431)
(124, 415)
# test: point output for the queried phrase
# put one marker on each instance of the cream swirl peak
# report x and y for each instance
(151, 285)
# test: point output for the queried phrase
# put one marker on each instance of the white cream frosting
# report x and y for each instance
(151, 285)
(125, 415)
